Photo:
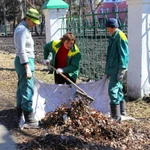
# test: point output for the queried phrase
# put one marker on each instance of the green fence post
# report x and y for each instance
(5, 30)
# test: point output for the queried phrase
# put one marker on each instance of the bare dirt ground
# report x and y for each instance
(139, 109)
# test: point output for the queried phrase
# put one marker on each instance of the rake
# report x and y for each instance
(80, 94)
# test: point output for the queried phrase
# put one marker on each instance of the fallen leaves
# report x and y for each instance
(81, 127)
(81, 123)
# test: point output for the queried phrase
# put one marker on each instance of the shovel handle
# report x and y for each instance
(68, 79)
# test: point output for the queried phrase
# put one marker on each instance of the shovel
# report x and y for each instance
(80, 94)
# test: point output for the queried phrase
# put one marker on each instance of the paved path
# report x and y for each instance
(7, 142)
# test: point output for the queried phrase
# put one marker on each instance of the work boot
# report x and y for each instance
(123, 108)
(115, 111)
(19, 115)
(30, 122)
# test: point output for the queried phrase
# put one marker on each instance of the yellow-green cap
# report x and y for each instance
(34, 15)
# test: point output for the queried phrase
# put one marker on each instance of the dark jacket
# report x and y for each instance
(117, 53)
(73, 58)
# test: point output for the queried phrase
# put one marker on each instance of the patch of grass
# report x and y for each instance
(43, 75)
(138, 109)
(8, 78)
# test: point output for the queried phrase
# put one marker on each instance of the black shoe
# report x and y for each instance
(115, 111)
(19, 116)
(30, 122)
(123, 108)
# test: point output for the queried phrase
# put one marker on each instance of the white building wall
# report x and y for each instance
(138, 77)
(54, 23)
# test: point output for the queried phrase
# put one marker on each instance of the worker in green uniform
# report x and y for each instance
(24, 66)
(65, 57)
(116, 66)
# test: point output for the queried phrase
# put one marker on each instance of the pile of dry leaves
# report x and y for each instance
(80, 127)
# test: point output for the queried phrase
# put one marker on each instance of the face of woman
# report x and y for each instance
(68, 44)
(30, 23)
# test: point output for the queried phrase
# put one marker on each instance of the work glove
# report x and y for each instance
(59, 70)
(46, 62)
(28, 72)
(121, 74)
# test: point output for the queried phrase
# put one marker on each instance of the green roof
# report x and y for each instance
(54, 4)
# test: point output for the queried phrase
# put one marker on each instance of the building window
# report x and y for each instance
(125, 9)
(120, 9)
(107, 10)
(114, 9)
(101, 11)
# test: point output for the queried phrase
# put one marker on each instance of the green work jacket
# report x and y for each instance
(73, 58)
(117, 53)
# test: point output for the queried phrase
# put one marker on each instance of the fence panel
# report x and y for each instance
(92, 39)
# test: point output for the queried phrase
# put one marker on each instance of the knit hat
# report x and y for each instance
(34, 15)
(112, 22)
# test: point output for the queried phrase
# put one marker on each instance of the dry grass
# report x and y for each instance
(7, 81)
(8, 78)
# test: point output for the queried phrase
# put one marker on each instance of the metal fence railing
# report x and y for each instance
(6, 29)
(92, 39)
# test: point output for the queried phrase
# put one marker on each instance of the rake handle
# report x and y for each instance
(68, 79)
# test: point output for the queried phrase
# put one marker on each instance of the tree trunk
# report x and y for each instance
(21, 16)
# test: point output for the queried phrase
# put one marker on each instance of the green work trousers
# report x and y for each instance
(115, 90)
(25, 87)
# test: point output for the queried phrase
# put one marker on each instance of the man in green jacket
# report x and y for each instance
(65, 57)
(116, 66)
